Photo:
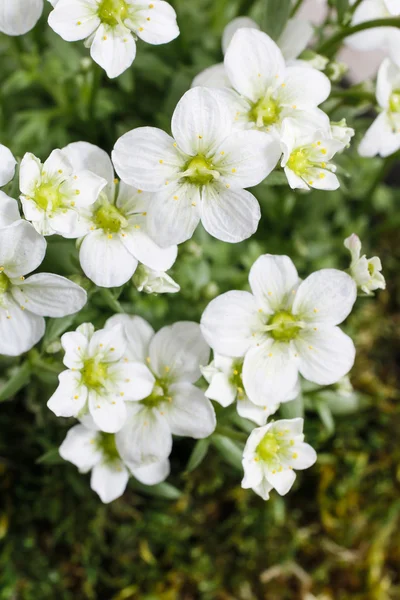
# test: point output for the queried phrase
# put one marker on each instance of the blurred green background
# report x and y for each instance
(336, 535)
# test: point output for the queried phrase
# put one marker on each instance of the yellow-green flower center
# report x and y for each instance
(106, 444)
(109, 218)
(299, 162)
(4, 283)
(269, 447)
(394, 101)
(158, 395)
(285, 326)
(47, 196)
(236, 378)
(265, 112)
(112, 12)
(200, 171)
(94, 373)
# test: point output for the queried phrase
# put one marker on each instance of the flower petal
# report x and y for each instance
(229, 215)
(18, 17)
(229, 321)
(7, 160)
(108, 345)
(9, 211)
(273, 279)
(221, 390)
(304, 89)
(152, 474)
(157, 20)
(326, 296)
(88, 157)
(22, 249)
(80, 449)
(75, 345)
(114, 49)
(295, 38)
(138, 334)
(109, 481)
(74, 20)
(190, 413)
(233, 26)
(132, 380)
(108, 412)
(146, 251)
(212, 77)
(381, 138)
(70, 397)
(19, 330)
(282, 481)
(326, 354)
(306, 456)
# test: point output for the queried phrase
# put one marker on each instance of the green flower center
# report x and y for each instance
(4, 283)
(265, 112)
(269, 447)
(394, 101)
(94, 373)
(236, 378)
(158, 395)
(285, 326)
(113, 12)
(200, 171)
(299, 162)
(106, 444)
(109, 218)
(47, 196)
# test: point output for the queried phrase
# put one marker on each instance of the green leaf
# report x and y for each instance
(275, 16)
(325, 415)
(19, 377)
(56, 327)
(292, 409)
(229, 450)
(51, 457)
(199, 452)
(161, 490)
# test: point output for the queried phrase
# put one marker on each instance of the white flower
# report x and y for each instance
(94, 450)
(292, 41)
(200, 173)
(272, 454)
(366, 272)
(383, 136)
(306, 157)
(19, 16)
(341, 132)
(224, 374)
(53, 194)
(173, 404)
(284, 328)
(379, 38)
(116, 225)
(7, 165)
(266, 90)
(154, 282)
(100, 379)
(24, 302)
(110, 28)
(9, 211)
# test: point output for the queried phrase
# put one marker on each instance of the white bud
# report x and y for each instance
(366, 272)
(154, 282)
(342, 133)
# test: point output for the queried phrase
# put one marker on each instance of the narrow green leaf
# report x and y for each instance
(275, 16)
(56, 327)
(229, 450)
(198, 454)
(161, 490)
(20, 376)
(325, 415)
(51, 457)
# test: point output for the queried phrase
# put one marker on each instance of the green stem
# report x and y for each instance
(231, 433)
(296, 7)
(329, 46)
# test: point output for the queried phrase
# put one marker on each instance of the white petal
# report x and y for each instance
(85, 156)
(9, 211)
(146, 251)
(29, 174)
(22, 249)
(83, 187)
(295, 38)
(114, 49)
(258, 414)
(295, 182)
(70, 396)
(233, 26)
(282, 481)
(146, 437)
(253, 63)
(229, 215)
(109, 481)
(138, 334)
(306, 456)
(158, 22)
(325, 355)
(7, 160)
(263, 489)
(146, 158)
(174, 214)
(322, 179)
(75, 345)
(178, 350)
(132, 380)
(304, 89)
(49, 295)
(212, 77)
(152, 474)
(190, 413)
(19, 330)
(252, 473)
(325, 296)
(105, 260)
(221, 390)
(74, 20)
(386, 82)
(246, 158)
(200, 122)
(229, 321)
(368, 10)
(381, 138)
(109, 345)
(80, 449)
(270, 373)
(108, 412)
(57, 166)
(273, 279)
(18, 16)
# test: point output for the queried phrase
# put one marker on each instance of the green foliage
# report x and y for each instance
(200, 535)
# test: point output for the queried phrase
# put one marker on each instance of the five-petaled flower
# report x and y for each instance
(366, 272)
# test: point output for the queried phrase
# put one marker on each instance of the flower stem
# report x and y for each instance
(328, 47)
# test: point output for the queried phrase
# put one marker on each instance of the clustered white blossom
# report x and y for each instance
(132, 389)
